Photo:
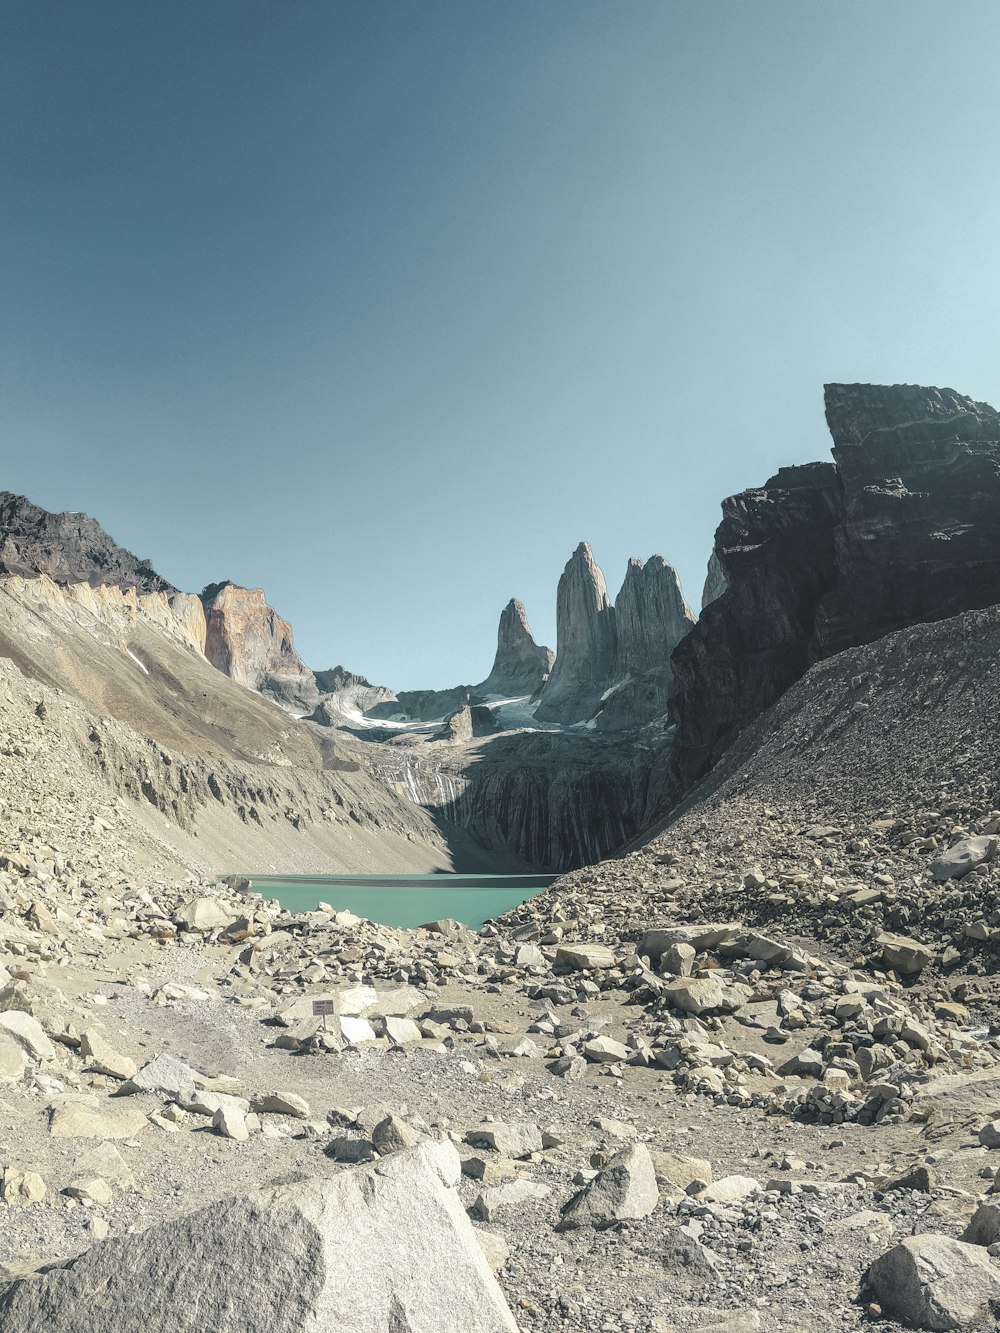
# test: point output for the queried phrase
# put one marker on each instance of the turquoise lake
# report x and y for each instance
(404, 900)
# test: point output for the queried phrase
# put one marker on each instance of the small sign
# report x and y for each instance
(322, 1008)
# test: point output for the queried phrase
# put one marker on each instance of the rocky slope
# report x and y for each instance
(216, 774)
(741, 1079)
(703, 1087)
(247, 640)
(901, 528)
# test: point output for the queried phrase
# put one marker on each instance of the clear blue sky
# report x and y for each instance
(384, 305)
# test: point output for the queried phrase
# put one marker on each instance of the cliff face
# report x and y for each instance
(68, 548)
(521, 666)
(903, 528)
(613, 662)
(246, 640)
(651, 618)
(550, 799)
(920, 535)
(585, 643)
(776, 548)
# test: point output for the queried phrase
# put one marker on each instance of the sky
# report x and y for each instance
(384, 305)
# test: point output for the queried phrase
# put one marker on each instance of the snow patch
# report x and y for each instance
(141, 665)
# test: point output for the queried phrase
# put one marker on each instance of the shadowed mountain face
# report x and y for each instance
(904, 527)
(68, 548)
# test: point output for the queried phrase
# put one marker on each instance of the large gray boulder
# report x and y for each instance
(626, 1188)
(936, 1282)
(381, 1249)
(957, 861)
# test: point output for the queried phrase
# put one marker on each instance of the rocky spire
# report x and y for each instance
(651, 617)
(521, 666)
(247, 640)
(585, 643)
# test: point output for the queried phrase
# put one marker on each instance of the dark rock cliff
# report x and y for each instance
(903, 528)
(68, 547)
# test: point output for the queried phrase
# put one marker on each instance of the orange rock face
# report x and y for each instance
(247, 640)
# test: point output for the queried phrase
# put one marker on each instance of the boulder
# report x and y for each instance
(579, 957)
(165, 1074)
(680, 1171)
(519, 1139)
(105, 1160)
(13, 1059)
(87, 1120)
(393, 1134)
(700, 995)
(511, 1194)
(964, 856)
(730, 1189)
(22, 1187)
(202, 915)
(605, 1051)
(904, 955)
(935, 1282)
(984, 1228)
(90, 1189)
(401, 1031)
(626, 1188)
(230, 1122)
(379, 1249)
(280, 1103)
(654, 943)
(101, 1056)
(28, 1033)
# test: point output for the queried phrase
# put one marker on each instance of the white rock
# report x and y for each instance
(935, 1282)
(28, 1033)
(625, 1188)
(730, 1189)
(370, 1250)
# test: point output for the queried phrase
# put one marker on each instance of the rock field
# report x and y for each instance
(739, 1079)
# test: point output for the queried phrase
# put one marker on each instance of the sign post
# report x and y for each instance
(323, 1009)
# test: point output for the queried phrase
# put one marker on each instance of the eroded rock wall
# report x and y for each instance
(248, 641)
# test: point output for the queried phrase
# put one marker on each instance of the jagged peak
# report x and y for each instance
(69, 547)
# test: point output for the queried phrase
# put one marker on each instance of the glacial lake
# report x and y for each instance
(404, 900)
